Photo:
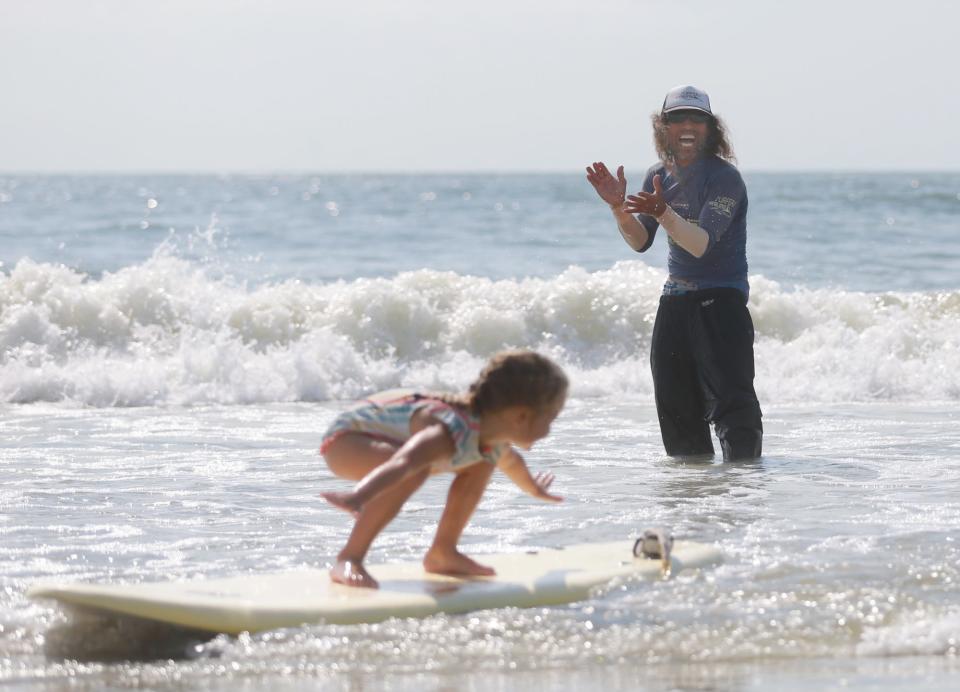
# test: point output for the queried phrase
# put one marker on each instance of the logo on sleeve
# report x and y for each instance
(723, 206)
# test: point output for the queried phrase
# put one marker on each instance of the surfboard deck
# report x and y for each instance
(258, 602)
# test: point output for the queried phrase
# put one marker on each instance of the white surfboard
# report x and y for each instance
(258, 602)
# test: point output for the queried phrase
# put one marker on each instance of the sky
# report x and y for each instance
(445, 85)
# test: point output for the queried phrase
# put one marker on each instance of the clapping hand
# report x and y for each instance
(649, 203)
(611, 190)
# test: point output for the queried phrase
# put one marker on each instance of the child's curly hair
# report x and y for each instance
(516, 378)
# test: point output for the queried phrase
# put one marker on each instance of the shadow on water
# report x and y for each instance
(93, 636)
(708, 497)
(704, 476)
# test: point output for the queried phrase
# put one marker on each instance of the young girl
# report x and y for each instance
(391, 442)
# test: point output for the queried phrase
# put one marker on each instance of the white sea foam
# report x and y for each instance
(923, 636)
(167, 332)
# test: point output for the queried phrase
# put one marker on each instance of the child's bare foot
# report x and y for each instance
(352, 573)
(342, 501)
(455, 564)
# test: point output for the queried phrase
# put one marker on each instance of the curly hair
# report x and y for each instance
(717, 144)
(512, 378)
(517, 378)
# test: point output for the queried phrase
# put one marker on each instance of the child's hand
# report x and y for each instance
(516, 469)
(543, 481)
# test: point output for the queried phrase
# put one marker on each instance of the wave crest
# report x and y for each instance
(167, 332)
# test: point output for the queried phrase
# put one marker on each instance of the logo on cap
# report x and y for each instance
(686, 96)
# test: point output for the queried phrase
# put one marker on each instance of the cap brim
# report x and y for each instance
(686, 108)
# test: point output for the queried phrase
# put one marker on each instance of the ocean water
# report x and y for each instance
(172, 348)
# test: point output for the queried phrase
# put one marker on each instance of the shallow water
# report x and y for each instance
(841, 553)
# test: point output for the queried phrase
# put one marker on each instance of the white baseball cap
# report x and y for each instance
(686, 98)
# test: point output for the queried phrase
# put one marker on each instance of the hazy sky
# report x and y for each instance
(444, 85)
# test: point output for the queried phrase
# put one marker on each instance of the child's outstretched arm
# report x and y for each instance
(431, 444)
(513, 465)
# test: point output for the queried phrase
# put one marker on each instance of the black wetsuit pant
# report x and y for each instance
(702, 362)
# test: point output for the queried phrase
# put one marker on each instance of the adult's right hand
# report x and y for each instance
(612, 190)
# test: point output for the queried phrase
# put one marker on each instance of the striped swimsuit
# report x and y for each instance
(387, 415)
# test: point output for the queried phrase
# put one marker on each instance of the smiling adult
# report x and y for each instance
(702, 349)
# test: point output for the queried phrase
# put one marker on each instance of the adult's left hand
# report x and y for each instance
(649, 203)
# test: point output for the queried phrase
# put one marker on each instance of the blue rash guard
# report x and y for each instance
(709, 193)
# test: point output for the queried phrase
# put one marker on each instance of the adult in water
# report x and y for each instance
(702, 349)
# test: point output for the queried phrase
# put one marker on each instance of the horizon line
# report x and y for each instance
(434, 172)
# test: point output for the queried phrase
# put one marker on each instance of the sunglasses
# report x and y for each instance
(678, 117)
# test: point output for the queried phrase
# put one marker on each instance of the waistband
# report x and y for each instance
(704, 294)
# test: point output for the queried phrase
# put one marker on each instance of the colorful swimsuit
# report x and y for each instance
(387, 416)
